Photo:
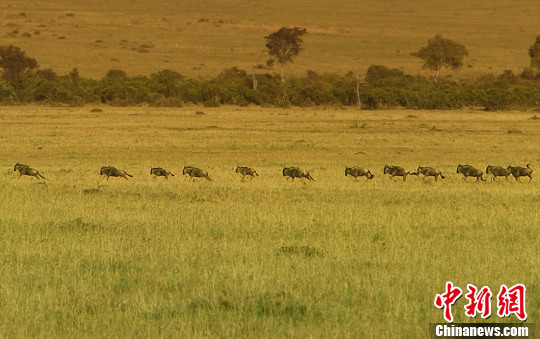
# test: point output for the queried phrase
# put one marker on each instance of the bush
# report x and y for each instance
(23, 82)
(7, 94)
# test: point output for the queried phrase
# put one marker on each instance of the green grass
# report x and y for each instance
(266, 257)
(200, 39)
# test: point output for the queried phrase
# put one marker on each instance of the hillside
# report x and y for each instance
(201, 38)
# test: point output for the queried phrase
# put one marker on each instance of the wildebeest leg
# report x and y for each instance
(530, 177)
(405, 177)
(437, 177)
(107, 178)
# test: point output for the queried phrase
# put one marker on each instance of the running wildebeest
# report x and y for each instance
(358, 172)
(26, 170)
(428, 172)
(469, 171)
(498, 171)
(396, 171)
(110, 171)
(246, 171)
(519, 171)
(160, 172)
(195, 172)
(295, 172)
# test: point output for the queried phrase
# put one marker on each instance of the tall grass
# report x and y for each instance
(266, 257)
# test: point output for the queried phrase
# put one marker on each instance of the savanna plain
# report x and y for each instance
(268, 257)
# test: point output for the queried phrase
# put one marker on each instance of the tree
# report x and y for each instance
(166, 82)
(15, 63)
(534, 53)
(441, 53)
(284, 45)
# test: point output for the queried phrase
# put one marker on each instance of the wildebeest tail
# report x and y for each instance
(310, 177)
(172, 174)
(442, 177)
(40, 175)
(129, 175)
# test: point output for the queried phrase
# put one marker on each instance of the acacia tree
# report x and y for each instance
(15, 64)
(284, 45)
(534, 53)
(441, 53)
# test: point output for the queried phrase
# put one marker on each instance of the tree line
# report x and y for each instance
(22, 82)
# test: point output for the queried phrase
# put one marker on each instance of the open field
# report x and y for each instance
(267, 257)
(202, 38)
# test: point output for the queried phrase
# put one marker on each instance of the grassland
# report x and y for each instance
(267, 257)
(201, 38)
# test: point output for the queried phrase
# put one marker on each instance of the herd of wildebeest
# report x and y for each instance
(294, 172)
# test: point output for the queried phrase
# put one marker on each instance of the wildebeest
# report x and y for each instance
(110, 171)
(428, 172)
(519, 171)
(295, 172)
(160, 172)
(469, 171)
(396, 171)
(26, 170)
(246, 171)
(498, 171)
(358, 172)
(195, 172)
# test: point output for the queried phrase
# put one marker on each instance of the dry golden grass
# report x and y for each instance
(267, 257)
(203, 38)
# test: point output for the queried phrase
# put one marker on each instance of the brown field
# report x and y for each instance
(267, 257)
(201, 38)
(148, 257)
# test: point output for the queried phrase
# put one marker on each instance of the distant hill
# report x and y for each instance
(201, 38)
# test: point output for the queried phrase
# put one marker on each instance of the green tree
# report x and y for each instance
(534, 53)
(166, 82)
(15, 64)
(284, 45)
(441, 53)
